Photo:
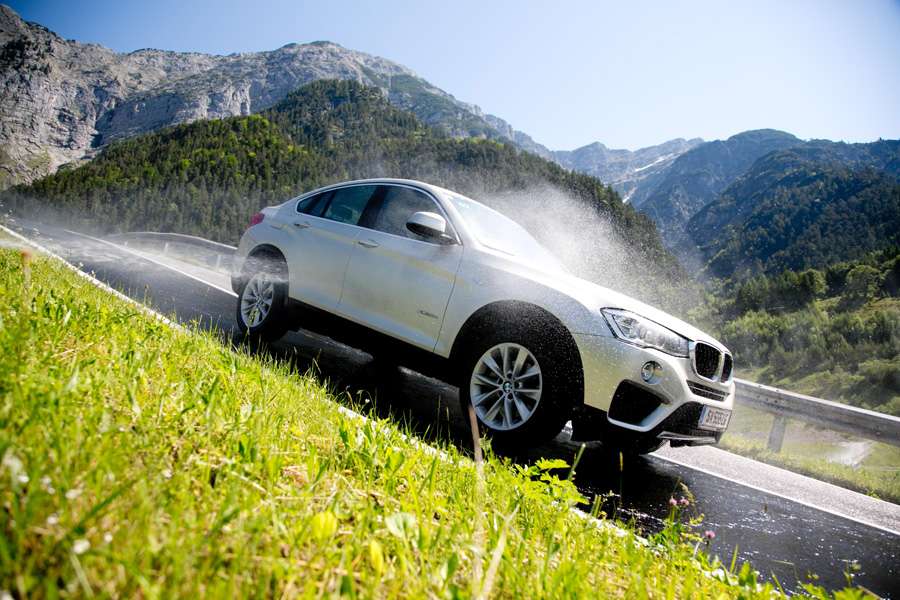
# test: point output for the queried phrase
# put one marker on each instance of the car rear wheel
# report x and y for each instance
(262, 299)
(517, 383)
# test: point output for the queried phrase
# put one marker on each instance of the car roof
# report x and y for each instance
(435, 190)
(385, 180)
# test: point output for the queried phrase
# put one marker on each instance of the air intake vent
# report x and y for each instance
(727, 367)
(706, 392)
(631, 404)
(706, 360)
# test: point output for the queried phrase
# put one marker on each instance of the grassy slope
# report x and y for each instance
(138, 459)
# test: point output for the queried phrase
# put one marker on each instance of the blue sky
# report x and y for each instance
(629, 74)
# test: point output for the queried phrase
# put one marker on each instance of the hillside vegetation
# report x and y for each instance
(832, 333)
(810, 206)
(64, 99)
(208, 177)
(140, 460)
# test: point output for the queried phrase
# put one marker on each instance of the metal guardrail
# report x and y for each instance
(218, 255)
(833, 415)
(783, 404)
(175, 237)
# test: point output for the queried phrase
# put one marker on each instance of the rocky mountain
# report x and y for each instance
(61, 100)
(809, 206)
(634, 174)
(695, 178)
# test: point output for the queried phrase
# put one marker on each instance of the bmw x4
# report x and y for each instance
(450, 287)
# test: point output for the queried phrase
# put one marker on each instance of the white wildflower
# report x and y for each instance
(81, 546)
(15, 467)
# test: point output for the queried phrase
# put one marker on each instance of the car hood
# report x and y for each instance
(595, 297)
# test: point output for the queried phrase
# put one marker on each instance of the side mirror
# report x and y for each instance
(429, 225)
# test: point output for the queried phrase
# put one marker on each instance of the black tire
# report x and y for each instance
(276, 320)
(560, 384)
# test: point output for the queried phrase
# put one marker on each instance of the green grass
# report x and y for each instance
(140, 460)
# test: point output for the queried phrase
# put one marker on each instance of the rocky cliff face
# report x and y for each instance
(53, 91)
(61, 100)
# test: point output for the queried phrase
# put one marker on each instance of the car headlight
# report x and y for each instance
(643, 332)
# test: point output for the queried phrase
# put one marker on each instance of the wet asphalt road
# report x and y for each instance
(787, 539)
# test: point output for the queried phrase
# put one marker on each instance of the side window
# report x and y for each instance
(347, 204)
(398, 206)
(313, 205)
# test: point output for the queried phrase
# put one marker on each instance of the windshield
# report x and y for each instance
(501, 233)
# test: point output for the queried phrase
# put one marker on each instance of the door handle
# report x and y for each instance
(301, 225)
(367, 243)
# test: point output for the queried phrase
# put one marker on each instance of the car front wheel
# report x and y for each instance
(518, 387)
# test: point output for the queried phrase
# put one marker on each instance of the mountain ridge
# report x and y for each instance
(628, 171)
(801, 207)
(696, 177)
(61, 100)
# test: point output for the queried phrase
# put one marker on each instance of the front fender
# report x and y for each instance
(488, 281)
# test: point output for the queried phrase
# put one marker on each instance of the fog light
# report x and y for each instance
(650, 371)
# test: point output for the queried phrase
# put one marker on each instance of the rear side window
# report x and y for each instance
(313, 205)
(347, 204)
(398, 206)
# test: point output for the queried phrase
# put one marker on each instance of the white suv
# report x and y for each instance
(447, 286)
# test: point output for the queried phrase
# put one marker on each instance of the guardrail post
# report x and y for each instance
(776, 434)
(166, 248)
(218, 261)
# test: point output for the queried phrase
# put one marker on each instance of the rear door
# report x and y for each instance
(323, 232)
(397, 282)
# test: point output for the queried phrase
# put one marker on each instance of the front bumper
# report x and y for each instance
(668, 408)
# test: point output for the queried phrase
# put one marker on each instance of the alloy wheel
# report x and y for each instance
(505, 387)
(256, 299)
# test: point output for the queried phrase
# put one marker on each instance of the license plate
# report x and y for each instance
(714, 419)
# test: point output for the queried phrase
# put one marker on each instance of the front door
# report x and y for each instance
(398, 282)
